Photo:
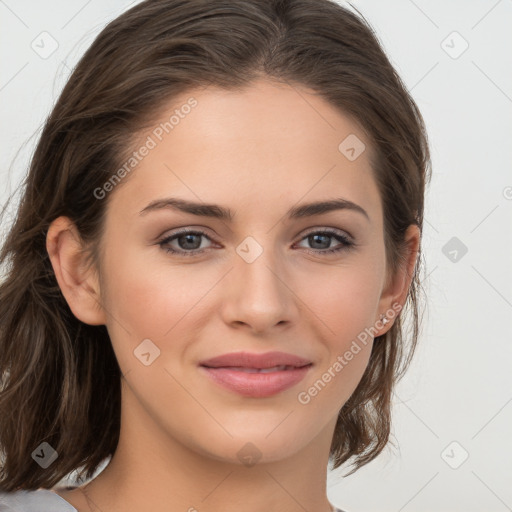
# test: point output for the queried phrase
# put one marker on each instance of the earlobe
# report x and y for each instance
(394, 296)
(78, 283)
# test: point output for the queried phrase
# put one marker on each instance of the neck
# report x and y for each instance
(152, 470)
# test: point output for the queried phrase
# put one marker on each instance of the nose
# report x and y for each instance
(258, 294)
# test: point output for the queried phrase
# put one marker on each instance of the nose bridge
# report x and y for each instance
(260, 296)
(258, 265)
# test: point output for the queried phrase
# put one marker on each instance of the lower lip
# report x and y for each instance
(257, 385)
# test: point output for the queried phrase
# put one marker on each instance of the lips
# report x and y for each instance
(257, 361)
(256, 375)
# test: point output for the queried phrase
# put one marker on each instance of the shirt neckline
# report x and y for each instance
(54, 491)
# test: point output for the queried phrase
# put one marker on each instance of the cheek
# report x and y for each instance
(149, 299)
(345, 301)
(138, 291)
(346, 310)
(344, 298)
(332, 385)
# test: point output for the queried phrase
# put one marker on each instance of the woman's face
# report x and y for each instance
(273, 276)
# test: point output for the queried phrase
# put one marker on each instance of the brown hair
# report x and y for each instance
(54, 367)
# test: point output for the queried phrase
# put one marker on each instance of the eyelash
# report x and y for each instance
(346, 243)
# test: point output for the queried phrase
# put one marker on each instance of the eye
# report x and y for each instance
(188, 242)
(321, 241)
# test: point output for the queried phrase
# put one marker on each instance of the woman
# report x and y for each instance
(205, 280)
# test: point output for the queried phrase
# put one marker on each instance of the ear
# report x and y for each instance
(79, 284)
(394, 295)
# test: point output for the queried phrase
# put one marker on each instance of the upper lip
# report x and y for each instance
(252, 360)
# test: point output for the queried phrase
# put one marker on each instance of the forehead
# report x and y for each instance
(266, 145)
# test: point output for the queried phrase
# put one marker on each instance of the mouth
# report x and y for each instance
(256, 375)
(266, 360)
(259, 370)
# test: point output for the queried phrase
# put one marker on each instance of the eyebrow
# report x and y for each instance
(219, 212)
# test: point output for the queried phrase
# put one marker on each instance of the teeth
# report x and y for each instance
(261, 370)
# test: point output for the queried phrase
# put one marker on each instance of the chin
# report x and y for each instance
(255, 446)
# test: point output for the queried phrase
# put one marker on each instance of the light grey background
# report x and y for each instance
(455, 402)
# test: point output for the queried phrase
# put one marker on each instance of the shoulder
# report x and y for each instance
(40, 500)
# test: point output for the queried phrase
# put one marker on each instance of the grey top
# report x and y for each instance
(42, 500)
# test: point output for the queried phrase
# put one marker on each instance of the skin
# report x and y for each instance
(259, 152)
